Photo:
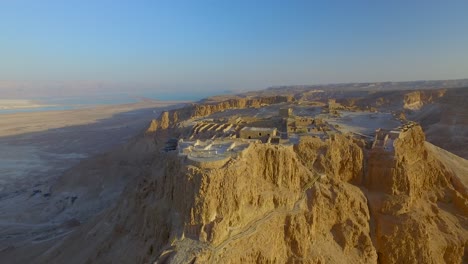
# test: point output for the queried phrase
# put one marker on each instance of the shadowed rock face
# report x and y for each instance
(445, 122)
(315, 202)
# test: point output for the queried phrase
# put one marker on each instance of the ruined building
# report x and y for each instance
(262, 133)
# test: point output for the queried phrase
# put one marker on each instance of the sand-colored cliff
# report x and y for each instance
(445, 121)
(182, 213)
(417, 99)
(170, 118)
(411, 100)
(418, 214)
(319, 201)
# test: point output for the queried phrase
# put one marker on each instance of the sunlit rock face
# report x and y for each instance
(335, 199)
(318, 201)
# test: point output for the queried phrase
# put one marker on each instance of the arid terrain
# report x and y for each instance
(352, 173)
(19, 104)
(37, 149)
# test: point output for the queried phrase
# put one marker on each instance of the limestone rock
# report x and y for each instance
(170, 118)
(316, 202)
(153, 127)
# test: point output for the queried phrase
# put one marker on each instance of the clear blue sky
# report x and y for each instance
(222, 45)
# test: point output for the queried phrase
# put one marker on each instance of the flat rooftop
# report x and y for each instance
(258, 128)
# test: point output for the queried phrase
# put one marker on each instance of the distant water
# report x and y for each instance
(36, 109)
(75, 102)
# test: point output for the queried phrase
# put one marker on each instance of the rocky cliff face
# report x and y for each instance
(393, 100)
(414, 207)
(417, 99)
(170, 118)
(445, 121)
(152, 128)
(316, 202)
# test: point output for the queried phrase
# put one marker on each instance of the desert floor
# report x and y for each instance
(36, 148)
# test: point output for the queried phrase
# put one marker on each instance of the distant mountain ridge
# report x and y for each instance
(377, 86)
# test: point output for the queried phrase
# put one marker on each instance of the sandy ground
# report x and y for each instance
(37, 148)
(40, 143)
(19, 123)
(363, 122)
(19, 104)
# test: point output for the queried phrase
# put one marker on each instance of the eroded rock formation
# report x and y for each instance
(328, 201)
(170, 118)
(417, 99)
(412, 203)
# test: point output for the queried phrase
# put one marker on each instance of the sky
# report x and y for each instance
(217, 46)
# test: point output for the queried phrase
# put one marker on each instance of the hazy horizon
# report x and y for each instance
(63, 91)
(51, 47)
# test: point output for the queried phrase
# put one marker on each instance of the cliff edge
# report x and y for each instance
(331, 201)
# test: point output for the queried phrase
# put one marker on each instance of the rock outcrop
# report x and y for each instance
(152, 128)
(341, 157)
(417, 99)
(445, 121)
(319, 201)
(413, 204)
(170, 118)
